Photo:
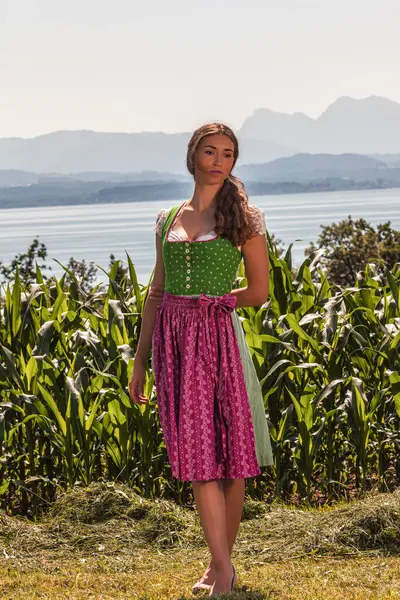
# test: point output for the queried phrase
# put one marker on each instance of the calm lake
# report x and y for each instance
(93, 232)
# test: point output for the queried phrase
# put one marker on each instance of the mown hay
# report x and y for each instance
(111, 521)
(99, 502)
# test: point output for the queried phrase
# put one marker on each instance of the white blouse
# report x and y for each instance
(178, 234)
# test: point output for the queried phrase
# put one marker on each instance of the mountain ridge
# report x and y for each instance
(300, 173)
(303, 165)
(367, 126)
(85, 150)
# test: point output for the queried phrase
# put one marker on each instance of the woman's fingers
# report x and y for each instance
(136, 387)
(141, 398)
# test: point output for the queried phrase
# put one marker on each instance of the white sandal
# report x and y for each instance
(199, 586)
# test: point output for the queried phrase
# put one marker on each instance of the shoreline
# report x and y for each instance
(160, 193)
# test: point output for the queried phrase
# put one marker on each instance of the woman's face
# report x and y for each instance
(214, 159)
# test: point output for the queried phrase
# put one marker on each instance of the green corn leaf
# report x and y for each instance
(45, 333)
(31, 370)
(16, 304)
(10, 364)
(136, 289)
(54, 408)
(294, 325)
(394, 379)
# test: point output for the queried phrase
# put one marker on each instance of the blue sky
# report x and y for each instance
(170, 65)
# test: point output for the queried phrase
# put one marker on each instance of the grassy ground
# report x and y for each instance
(106, 542)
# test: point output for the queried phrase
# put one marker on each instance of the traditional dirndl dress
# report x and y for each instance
(209, 398)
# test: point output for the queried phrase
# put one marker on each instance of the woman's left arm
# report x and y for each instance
(256, 264)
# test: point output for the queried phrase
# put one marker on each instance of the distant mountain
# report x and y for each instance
(316, 166)
(75, 151)
(367, 126)
(11, 177)
(291, 130)
(297, 167)
(74, 193)
(392, 160)
(252, 150)
(370, 126)
(66, 152)
(299, 173)
(14, 177)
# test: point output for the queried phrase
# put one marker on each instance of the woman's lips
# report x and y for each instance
(218, 172)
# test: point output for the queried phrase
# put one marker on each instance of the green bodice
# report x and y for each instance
(204, 267)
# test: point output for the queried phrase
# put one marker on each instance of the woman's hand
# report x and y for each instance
(136, 383)
(256, 266)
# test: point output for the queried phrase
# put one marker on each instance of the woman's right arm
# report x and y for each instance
(154, 298)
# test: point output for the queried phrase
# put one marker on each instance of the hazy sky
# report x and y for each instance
(170, 65)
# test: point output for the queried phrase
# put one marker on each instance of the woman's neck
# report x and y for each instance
(203, 198)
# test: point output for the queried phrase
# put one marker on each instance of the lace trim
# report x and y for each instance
(259, 223)
(161, 218)
(179, 235)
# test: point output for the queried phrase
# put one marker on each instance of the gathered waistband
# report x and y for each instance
(227, 301)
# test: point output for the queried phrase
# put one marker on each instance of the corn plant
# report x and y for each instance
(327, 359)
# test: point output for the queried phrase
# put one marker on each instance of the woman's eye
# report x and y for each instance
(211, 152)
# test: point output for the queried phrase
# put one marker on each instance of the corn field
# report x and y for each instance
(327, 358)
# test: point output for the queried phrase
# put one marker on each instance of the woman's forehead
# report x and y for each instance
(218, 140)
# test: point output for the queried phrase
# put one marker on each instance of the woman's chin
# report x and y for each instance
(214, 179)
(210, 178)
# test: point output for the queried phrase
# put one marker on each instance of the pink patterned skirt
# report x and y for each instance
(201, 392)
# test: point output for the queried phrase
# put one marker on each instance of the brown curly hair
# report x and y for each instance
(233, 215)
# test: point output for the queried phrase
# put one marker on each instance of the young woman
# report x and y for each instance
(209, 399)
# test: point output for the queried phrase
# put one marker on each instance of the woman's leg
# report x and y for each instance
(233, 499)
(210, 504)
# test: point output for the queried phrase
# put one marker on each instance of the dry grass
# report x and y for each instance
(107, 542)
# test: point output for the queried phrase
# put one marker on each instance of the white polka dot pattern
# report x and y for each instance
(213, 262)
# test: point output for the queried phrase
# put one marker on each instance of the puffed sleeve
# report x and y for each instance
(161, 217)
(258, 220)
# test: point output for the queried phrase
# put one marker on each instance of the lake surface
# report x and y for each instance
(94, 231)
